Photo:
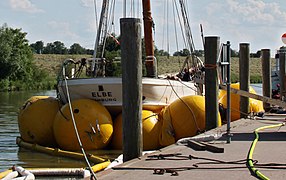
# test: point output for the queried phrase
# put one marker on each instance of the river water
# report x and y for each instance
(10, 153)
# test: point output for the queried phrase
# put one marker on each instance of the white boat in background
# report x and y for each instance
(157, 92)
(275, 75)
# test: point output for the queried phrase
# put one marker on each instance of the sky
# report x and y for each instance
(261, 23)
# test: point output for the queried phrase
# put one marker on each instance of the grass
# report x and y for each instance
(51, 63)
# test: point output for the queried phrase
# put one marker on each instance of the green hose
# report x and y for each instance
(251, 150)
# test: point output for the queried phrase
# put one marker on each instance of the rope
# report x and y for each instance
(190, 109)
(168, 37)
(189, 87)
(176, 35)
(180, 23)
(210, 66)
(251, 150)
(75, 127)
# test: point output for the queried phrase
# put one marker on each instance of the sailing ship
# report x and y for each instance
(157, 92)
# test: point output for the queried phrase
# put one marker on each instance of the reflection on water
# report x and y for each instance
(257, 88)
(10, 153)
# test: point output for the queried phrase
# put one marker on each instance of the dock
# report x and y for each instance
(183, 161)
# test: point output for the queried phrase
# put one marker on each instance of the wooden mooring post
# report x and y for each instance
(282, 58)
(244, 77)
(211, 81)
(131, 87)
(266, 76)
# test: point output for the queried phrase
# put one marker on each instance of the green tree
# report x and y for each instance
(38, 47)
(162, 53)
(112, 47)
(49, 49)
(234, 53)
(76, 49)
(56, 47)
(17, 69)
(256, 55)
(198, 53)
(184, 52)
(59, 48)
(15, 54)
(112, 43)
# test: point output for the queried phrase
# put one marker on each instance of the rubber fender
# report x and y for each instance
(93, 122)
(187, 116)
(254, 105)
(36, 118)
(151, 130)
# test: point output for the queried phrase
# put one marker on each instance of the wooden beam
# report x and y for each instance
(255, 96)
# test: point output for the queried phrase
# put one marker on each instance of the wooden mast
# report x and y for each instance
(150, 63)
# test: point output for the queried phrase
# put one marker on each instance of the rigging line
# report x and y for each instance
(180, 23)
(187, 15)
(75, 126)
(112, 12)
(190, 109)
(164, 23)
(133, 3)
(95, 13)
(131, 7)
(184, 25)
(167, 29)
(109, 23)
(187, 27)
(124, 8)
(137, 5)
(189, 86)
(163, 94)
(174, 14)
(176, 35)
(96, 19)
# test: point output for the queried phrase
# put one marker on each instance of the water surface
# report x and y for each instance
(10, 153)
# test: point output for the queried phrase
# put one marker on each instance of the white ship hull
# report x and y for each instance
(157, 93)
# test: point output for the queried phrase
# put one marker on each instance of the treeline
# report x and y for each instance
(58, 47)
(200, 53)
(18, 70)
(112, 48)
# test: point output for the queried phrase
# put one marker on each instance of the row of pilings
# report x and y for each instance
(132, 87)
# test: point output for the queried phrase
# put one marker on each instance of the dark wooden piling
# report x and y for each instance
(131, 87)
(244, 77)
(282, 54)
(266, 76)
(211, 81)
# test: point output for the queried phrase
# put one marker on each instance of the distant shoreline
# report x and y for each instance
(52, 63)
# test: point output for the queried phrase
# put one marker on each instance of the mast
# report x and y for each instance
(100, 36)
(150, 63)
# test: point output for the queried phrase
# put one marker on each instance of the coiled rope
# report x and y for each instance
(75, 127)
(250, 164)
